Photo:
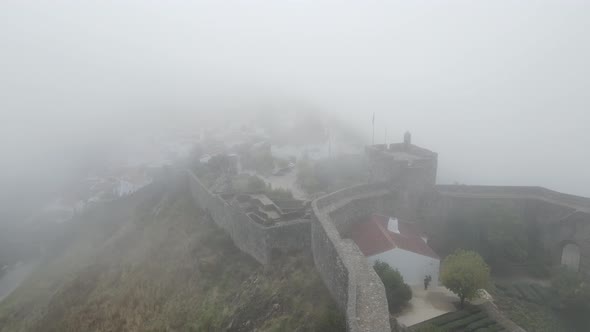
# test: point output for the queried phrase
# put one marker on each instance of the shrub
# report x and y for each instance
(464, 273)
(398, 293)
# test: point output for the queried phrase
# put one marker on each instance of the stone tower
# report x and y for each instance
(407, 140)
(402, 163)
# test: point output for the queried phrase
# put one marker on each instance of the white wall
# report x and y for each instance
(413, 267)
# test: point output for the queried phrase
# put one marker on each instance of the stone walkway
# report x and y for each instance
(428, 304)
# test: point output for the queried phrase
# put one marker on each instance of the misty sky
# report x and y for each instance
(498, 88)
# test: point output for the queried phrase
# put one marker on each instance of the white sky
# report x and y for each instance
(498, 88)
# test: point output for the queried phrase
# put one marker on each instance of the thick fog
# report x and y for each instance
(498, 88)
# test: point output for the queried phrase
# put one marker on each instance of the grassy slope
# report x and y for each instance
(159, 265)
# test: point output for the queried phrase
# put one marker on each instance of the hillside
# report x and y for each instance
(156, 263)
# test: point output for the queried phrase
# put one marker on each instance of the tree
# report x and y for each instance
(464, 273)
(397, 292)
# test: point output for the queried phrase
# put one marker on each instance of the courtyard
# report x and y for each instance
(427, 304)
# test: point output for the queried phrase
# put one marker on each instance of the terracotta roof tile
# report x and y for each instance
(373, 237)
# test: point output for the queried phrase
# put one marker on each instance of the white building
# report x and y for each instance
(400, 245)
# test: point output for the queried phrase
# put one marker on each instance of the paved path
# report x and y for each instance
(425, 305)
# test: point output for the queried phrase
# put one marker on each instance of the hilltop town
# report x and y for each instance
(346, 211)
(397, 213)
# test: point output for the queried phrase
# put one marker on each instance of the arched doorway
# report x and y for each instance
(570, 256)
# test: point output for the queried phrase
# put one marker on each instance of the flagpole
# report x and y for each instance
(373, 141)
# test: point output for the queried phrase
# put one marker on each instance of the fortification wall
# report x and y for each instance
(287, 237)
(355, 286)
(537, 193)
(559, 218)
(256, 240)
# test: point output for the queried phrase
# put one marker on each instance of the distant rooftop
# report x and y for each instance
(405, 151)
(401, 151)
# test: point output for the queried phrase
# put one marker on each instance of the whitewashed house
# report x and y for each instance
(400, 245)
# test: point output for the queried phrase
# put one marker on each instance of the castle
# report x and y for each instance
(401, 182)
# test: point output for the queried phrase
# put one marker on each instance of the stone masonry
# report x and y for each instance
(402, 183)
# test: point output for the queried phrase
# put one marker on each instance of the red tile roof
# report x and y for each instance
(373, 237)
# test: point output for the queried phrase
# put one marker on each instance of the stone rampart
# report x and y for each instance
(559, 218)
(355, 286)
(257, 240)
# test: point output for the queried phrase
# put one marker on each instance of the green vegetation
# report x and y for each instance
(160, 265)
(497, 233)
(398, 293)
(464, 273)
(469, 319)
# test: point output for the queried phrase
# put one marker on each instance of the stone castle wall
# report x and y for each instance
(559, 218)
(343, 268)
(355, 286)
(258, 241)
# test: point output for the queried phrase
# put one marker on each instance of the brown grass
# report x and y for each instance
(167, 268)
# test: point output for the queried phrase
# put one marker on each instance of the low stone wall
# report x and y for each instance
(258, 241)
(355, 286)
